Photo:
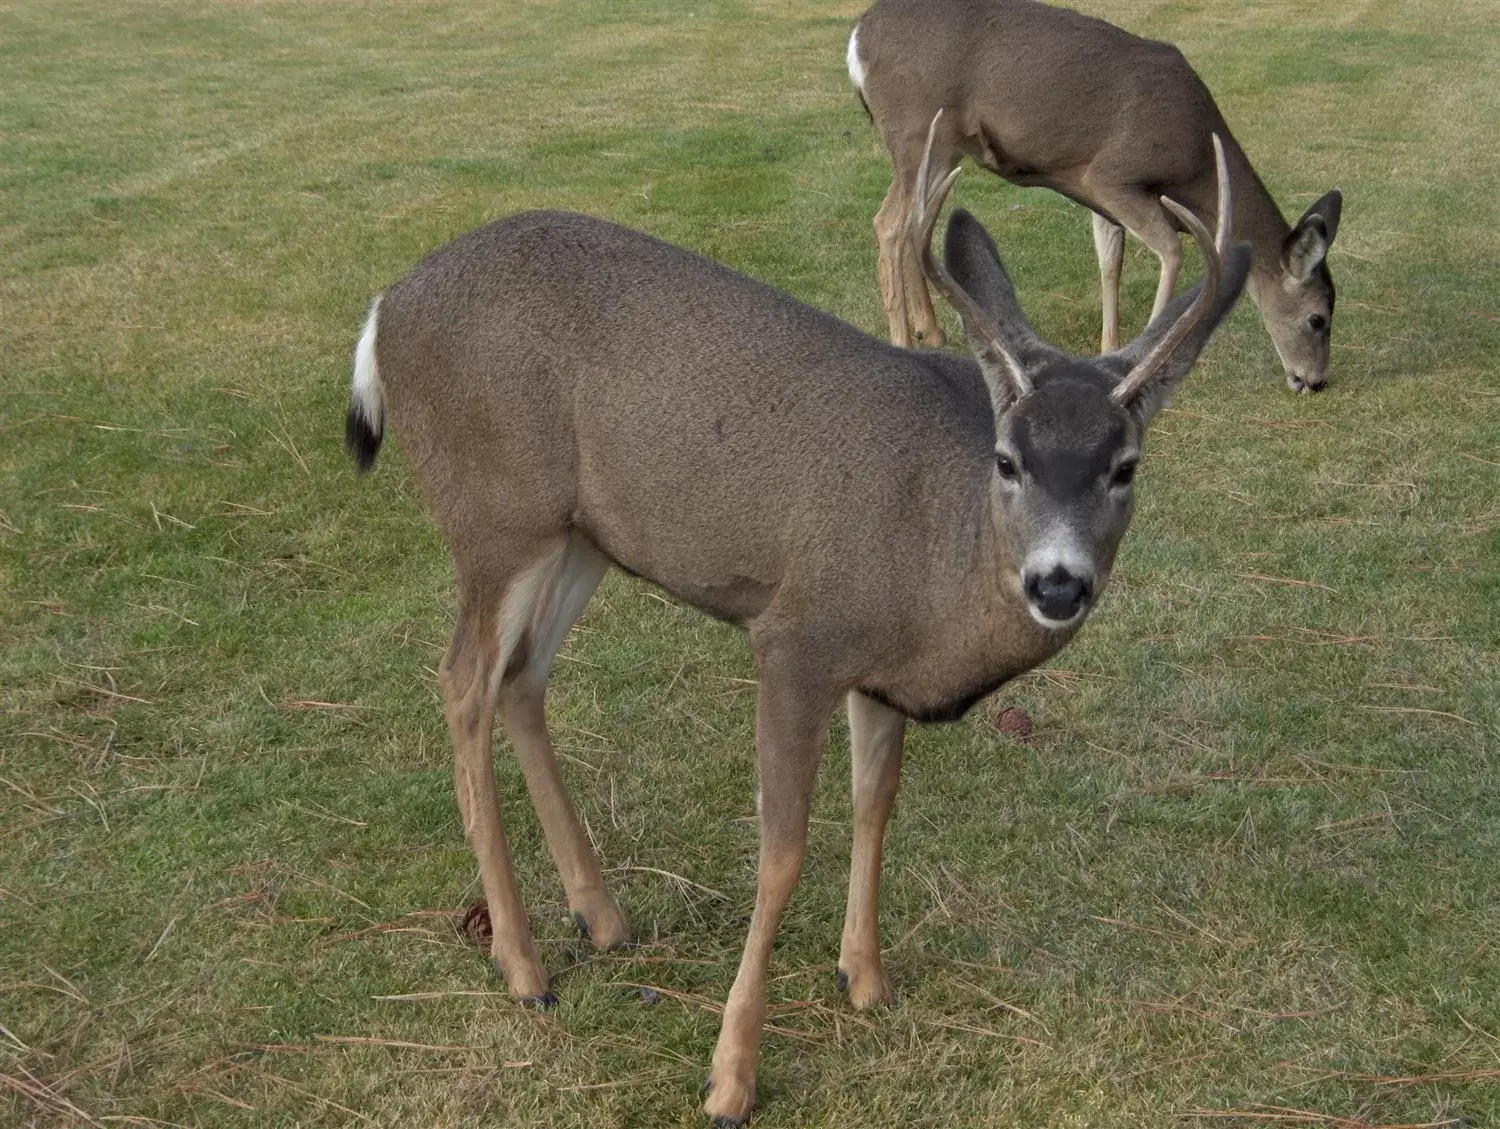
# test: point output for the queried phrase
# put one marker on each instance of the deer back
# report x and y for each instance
(705, 430)
(1038, 93)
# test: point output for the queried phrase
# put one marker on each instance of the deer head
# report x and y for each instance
(1297, 300)
(1068, 430)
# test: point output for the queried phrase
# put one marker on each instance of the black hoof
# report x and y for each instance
(843, 981)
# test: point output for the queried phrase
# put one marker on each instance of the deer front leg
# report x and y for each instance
(1141, 214)
(1170, 254)
(1151, 224)
(790, 725)
(1109, 246)
(876, 736)
(468, 675)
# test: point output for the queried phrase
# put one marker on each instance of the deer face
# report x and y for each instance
(1299, 316)
(1298, 304)
(1065, 458)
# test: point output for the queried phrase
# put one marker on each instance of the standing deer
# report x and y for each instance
(904, 531)
(1048, 96)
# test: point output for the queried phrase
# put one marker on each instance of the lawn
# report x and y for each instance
(1243, 873)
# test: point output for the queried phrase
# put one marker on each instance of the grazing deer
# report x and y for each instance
(901, 530)
(1047, 96)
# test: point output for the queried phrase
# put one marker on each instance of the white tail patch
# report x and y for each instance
(856, 67)
(366, 393)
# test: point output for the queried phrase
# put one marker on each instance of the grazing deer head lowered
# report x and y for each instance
(902, 531)
(1049, 97)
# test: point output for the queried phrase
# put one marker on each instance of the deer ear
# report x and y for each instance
(1307, 245)
(971, 258)
(1154, 395)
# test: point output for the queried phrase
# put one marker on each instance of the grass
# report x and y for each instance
(1244, 872)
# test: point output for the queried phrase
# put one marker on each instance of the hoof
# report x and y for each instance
(870, 990)
(542, 1001)
(609, 931)
(725, 1120)
(588, 935)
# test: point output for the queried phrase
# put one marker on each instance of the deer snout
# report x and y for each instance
(1305, 384)
(1058, 596)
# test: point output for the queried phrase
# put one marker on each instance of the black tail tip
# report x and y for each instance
(362, 440)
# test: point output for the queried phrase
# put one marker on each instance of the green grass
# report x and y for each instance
(1247, 861)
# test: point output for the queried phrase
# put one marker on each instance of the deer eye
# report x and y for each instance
(1124, 474)
(1007, 467)
(1317, 323)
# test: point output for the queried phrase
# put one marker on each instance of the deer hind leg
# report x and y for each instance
(488, 633)
(918, 298)
(560, 601)
(890, 235)
(1109, 246)
(791, 720)
(876, 736)
(903, 286)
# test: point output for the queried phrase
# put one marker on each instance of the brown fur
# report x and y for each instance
(1049, 97)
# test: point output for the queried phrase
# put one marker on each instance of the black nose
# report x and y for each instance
(1059, 594)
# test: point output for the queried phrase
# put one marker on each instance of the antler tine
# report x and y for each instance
(1214, 247)
(927, 204)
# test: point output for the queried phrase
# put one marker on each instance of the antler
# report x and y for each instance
(988, 346)
(1214, 249)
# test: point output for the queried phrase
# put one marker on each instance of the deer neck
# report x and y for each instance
(1257, 220)
(975, 633)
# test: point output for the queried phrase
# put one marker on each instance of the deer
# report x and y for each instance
(899, 530)
(1049, 97)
